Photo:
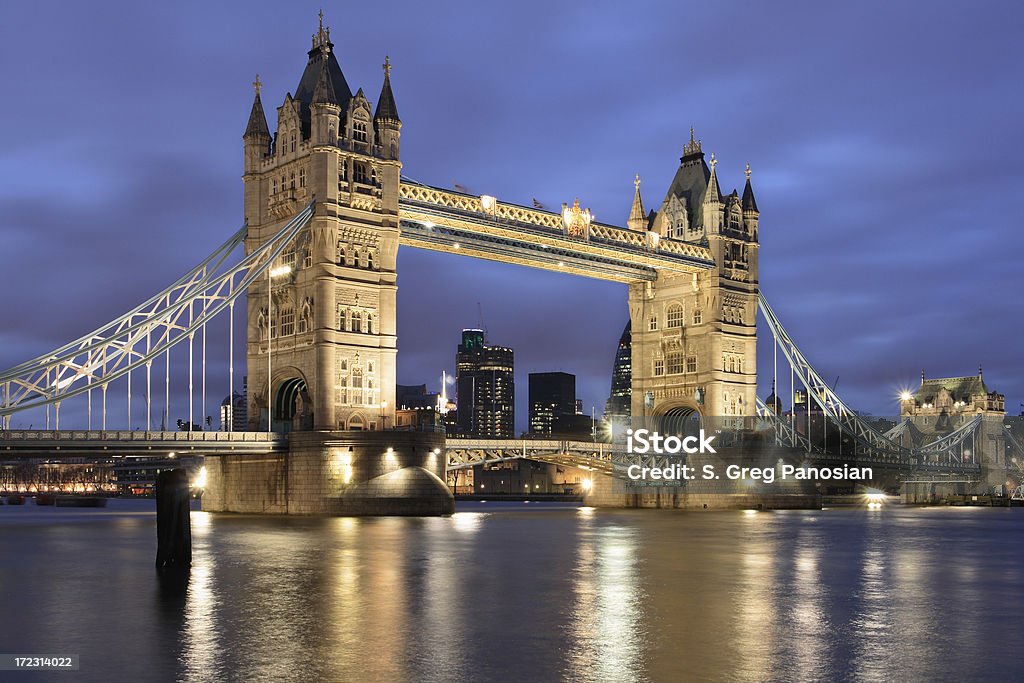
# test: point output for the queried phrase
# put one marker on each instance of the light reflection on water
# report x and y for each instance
(508, 593)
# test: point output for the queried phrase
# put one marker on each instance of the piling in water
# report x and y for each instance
(173, 524)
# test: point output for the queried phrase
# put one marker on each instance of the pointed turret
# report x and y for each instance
(713, 194)
(637, 217)
(387, 110)
(323, 93)
(749, 203)
(712, 204)
(385, 119)
(257, 118)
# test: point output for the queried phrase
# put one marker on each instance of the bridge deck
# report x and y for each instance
(79, 443)
(453, 222)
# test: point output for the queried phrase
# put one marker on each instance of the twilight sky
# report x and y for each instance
(884, 139)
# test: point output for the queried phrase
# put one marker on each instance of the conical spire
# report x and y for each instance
(749, 203)
(386, 108)
(323, 93)
(637, 216)
(713, 195)
(257, 119)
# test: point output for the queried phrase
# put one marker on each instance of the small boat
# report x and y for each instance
(16, 499)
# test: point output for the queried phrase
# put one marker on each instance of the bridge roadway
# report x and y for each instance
(460, 453)
(79, 443)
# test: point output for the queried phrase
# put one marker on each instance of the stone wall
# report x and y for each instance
(336, 473)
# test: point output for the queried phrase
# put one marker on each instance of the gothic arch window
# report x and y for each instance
(302, 177)
(373, 176)
(261, 323)
(273, 186)
(292, 179)
(341, 254)
(291, 144)
(356, 423)
(359, 131)
(331, 135)
(697, 317)
(370, 321)
(371, 260)
(674, 316)
(305, 317)
(652, 323)
(357, 321)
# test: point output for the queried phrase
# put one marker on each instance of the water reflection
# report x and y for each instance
(514, 594)
(608, 611)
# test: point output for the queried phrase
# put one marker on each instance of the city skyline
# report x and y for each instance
(878, 172)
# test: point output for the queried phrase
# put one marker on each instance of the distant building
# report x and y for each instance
(617, 407)
(552, 399)
(417, 409)
(485, 386)
(233, 411)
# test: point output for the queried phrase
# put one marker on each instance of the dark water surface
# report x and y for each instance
(516, 592)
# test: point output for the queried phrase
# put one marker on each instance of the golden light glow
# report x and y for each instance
(200, 480)
(280, 271)
(905, 395)
(874, 498)
(587, 484)
(488, 203)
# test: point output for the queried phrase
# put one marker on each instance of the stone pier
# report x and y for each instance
(335, 473)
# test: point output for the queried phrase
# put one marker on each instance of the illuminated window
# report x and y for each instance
(674, 318)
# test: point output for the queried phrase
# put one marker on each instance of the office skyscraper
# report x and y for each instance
(617, 407)
(485, 386)
(552, 400)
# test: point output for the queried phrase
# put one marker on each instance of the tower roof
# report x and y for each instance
(749, 203)
(321, 53)
(386, 107)
(257, 118)
(691, 180)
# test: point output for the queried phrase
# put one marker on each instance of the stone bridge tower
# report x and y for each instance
(329, 317)
(694, 336)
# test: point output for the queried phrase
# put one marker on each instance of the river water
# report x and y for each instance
(522, 592)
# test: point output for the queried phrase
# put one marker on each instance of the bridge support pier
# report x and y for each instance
(335, 473)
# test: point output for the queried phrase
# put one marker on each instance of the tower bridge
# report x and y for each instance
(326, 208)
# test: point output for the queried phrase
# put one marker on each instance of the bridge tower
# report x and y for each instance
(326, 314)
(694, 337)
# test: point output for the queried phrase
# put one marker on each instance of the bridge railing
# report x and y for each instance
(33, 435)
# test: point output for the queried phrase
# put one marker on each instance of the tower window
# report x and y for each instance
(360, 173)
(302, 177)
(273, 186)
(659, 367)
(675, 363)
(293, 180)
(287, 321)
(370, 260)
(359, 131)
(674, 318)
(697, 317)
(652, 324)
(292, 145)
(691, 364)
(357, 321)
